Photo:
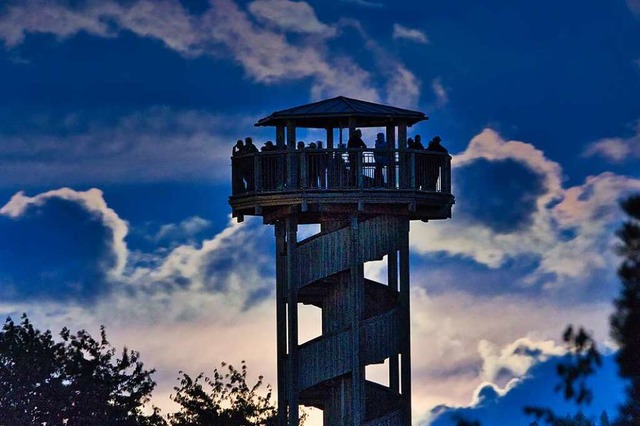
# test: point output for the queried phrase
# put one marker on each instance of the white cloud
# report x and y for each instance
(366, 3)
(297, 17)
(634, 6)
(516, 358)
(461, 341)
(442, 98)
(589, 212)
(402, 32)
(93, 201)
(264, 52)
(187, 228)
(150, 145)
(617, 150)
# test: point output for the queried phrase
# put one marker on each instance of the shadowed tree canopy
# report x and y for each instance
(625, 322)
(224, 399)
(77, 381)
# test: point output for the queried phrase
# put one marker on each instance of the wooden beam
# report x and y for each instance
(392, 282)
(281, 320)
(405, 373)
(356, 313)
(292, 308)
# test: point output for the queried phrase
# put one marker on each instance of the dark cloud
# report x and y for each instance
(498, 194)
(536, 389)
(55, 251)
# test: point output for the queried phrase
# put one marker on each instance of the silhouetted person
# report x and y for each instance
(238, 178)
(268, 146)
(433, 164)
(300, 145)
(312, 165)
(418, 142)
(249, 147)
(355, 142)
(238, 148)
(322, 164)
(381, 158)
(249, 164)
(434, 145)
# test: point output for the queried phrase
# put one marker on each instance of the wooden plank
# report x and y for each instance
(324, 358)
(381, 337)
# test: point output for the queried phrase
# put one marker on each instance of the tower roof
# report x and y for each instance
(339, 111)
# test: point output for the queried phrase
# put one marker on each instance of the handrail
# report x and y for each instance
(340, 169)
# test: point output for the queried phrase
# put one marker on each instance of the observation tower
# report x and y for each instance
(363, 200)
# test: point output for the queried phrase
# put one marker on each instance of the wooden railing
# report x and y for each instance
(323, 169)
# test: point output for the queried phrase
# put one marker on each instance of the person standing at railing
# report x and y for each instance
(355, 142)
(312, 165)
(420, 164)
(238, 166)
(381, 158)
(433, 166)
(248, 164)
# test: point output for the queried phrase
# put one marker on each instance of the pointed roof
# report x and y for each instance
(337, 112)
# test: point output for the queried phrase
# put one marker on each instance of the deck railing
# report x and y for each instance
(347, 169)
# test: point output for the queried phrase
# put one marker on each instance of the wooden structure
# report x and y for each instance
(363, 200)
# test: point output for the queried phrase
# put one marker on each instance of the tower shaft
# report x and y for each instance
(364, 322)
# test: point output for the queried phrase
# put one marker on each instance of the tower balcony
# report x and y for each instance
(320, 184)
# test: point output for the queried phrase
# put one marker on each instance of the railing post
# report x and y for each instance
(304, 172)
(412, 170)
(359, 171)
(257, 167)
(402, 151)
(445, 178)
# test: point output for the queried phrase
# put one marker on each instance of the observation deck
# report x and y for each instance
(328, 182)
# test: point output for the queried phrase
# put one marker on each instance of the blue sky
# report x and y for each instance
(117, 120)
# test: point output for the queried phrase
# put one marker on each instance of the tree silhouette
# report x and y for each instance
(78, 381)
(625, 322)
(224, 400)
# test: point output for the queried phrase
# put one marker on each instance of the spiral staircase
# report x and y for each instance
(362, 322)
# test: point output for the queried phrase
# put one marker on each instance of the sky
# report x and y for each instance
(117, 120)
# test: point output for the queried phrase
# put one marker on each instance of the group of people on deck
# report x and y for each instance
(427, 171)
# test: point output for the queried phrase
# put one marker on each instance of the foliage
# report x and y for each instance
(625, 322)
(576, 367)
(77, 381)
(223, 400)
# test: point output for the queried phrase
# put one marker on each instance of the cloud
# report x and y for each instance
(634, 6)
(569, 230)
(617, 150)
(461, 340)
(366, 3)
(402, 32)
(499, 194)
(187, 229)
(297, 17)
(515, 359)
(442, 97)
(265, 52)
(61, 244)
(80, 148)
(491, 404)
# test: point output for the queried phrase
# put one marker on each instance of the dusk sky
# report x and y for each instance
(117, 120)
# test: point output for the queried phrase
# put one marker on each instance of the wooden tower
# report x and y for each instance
(363, 200)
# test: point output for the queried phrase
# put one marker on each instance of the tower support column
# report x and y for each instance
(292, 320)
(281, 319)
